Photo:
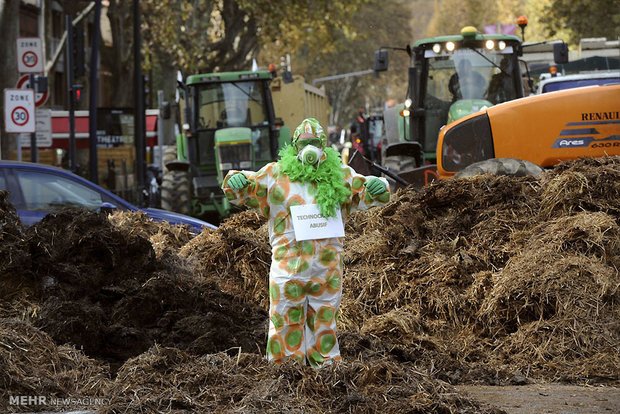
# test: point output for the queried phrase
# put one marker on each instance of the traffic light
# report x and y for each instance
(78, 52)
(40, 84)
(77, 94)
(560, 53)
(381, 61)
(147, 91)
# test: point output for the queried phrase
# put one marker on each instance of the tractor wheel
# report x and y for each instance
(399, 163)
(175, 192)
(501, 166)
(170, 154)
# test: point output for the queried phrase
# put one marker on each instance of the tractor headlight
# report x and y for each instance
(467, 142)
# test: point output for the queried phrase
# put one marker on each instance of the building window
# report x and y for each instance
(58, 24)
(60, 93)
(28, 21)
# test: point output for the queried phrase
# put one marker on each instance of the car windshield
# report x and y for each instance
(44, 191)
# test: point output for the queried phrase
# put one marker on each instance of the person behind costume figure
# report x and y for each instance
(305, 277)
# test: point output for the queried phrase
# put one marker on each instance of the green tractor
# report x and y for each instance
(228, 123)
(449, 77)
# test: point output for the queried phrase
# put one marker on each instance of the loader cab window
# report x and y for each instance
(231, 104)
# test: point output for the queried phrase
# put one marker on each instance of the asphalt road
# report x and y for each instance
(547, 398)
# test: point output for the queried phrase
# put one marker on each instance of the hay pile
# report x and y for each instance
(163, 236)
(32, 364)
(487, 279)
(166, 379)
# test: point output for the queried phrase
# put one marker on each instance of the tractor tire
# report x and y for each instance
(501, 166)
(399, 163)
(170, 154)
(175, 192)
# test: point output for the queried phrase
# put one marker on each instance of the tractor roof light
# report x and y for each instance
(408, 103)
(489, 44)
(469, 32)
(450, 46)
(501, 45)
(437, 48)
(405, 112)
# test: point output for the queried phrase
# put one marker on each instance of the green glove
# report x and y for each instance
(375, 186)
(238, 181)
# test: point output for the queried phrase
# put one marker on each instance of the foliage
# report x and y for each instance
(206, 36)
(376, 23)
(585, 18)
(452, 15)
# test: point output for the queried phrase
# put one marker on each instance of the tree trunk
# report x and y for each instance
(121, 22)
(9, 21)
(168, 83)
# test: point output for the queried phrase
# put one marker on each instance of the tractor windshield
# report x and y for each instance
(232, 104)
(469, 74)
(462, 82)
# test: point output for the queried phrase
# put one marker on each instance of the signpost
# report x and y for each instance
(29, 55)
(19, 115)
(30, 61)
(44, 130)
(24, 83)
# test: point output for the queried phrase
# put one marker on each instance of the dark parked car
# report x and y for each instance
(38, 189)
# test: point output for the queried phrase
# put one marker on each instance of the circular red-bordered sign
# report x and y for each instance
(20, 118)
(24, 83)
(30, 59)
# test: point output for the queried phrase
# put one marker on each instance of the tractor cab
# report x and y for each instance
(449, 77)
(229, 123)
(454, 76)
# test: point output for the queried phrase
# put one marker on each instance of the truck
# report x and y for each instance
(527, 135)
(449, 77)
(228, 122)
(296, 100)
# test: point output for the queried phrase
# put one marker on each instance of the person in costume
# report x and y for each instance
(305, 278)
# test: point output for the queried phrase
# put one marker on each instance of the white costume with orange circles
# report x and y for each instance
(305, 279)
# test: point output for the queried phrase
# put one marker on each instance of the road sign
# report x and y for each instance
(24, 83)
(44, 130)
(29, 55)
(19, 115)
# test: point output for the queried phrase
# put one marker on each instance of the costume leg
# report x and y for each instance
(287, 317)
(323, 306)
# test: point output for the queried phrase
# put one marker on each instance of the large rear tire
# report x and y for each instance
(175, 192)
(170, 154)
(398, 164)
(501, 166)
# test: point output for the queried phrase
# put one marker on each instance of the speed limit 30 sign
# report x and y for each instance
(19, 110)
(29, 55)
